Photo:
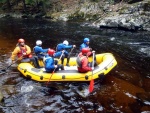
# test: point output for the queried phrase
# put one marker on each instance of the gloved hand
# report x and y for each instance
(93, 51)
(74, 45)
(90, 49)
(92, 68)
(12, 61)
(24, 54)
(55, 66)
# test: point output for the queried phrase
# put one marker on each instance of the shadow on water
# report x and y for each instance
(125, 89)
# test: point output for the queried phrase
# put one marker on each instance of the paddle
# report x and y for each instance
(70, 52)
(54, 69)
(91, 86)
(9, 66)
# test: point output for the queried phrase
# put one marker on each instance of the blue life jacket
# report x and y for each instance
(61, 47)
(39, 51)
(49, 63)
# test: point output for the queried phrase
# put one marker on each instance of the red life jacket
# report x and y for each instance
(79, 59)
(22, 50)
(82, 63)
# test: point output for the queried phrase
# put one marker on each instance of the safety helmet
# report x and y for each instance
(66, 42)
(85, 50)
(86, 40)
(21, 40)
(38, 42)
(51, 52)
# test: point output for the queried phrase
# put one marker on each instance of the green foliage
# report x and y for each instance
(95, 0)
(3, 1)
(31, 2)
(76, 16)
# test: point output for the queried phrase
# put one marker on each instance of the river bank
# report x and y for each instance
(132, 16)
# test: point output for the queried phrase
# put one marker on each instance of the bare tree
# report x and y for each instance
(24, 5)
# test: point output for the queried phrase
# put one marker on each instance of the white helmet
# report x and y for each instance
(66, 42)
(38, 42)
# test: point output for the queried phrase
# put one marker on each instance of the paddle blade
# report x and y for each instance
(91, 87)
(50, 78)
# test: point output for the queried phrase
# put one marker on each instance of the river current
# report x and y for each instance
(126, 89)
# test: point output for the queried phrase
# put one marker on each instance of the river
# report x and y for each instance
(126, 89)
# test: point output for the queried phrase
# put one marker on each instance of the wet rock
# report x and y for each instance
(134, 17)
(8, 90)
(144, 98)
(1, 96)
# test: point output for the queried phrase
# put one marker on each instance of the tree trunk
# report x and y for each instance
(37, 4)
(24, 5)
(43, 7)
(8, 5)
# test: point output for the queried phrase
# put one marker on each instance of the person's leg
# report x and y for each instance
(62, 59)
(56, 69)
(68, 58)
(56, 62)
(90, 64)
(35, 62)
(25, 60)
(30, 60)
(61, 66)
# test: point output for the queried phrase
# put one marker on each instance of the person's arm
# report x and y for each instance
(40, 49)
(58, 54)
(14, 53)
(45, 50)
(28, 50)
(68, 46)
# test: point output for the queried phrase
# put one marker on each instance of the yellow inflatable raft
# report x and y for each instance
(106, 62)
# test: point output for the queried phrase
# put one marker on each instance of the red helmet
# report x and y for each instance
(51, 52)
(85, 50)
(21, 40)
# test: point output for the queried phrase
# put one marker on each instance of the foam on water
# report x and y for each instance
(26, 88)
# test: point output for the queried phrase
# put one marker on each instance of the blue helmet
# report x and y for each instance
(86, 40)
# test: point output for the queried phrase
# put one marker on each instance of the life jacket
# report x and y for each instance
(22, 50)
(60, 47)
(79, 59)
(34, 51)
(45, 58)
(38, 53)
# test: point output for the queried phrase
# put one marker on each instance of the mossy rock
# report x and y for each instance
(1, 96)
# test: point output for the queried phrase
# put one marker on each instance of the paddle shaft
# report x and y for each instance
(93, 63)
(91, 87)
(55, 68)
(10, 65)
(70, 52)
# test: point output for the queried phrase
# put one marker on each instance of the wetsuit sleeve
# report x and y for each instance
(28, 50)
(14, 53)
(58, 54)
(68, 47)
(42, 50)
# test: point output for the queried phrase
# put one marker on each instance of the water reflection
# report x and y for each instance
(125, 89)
